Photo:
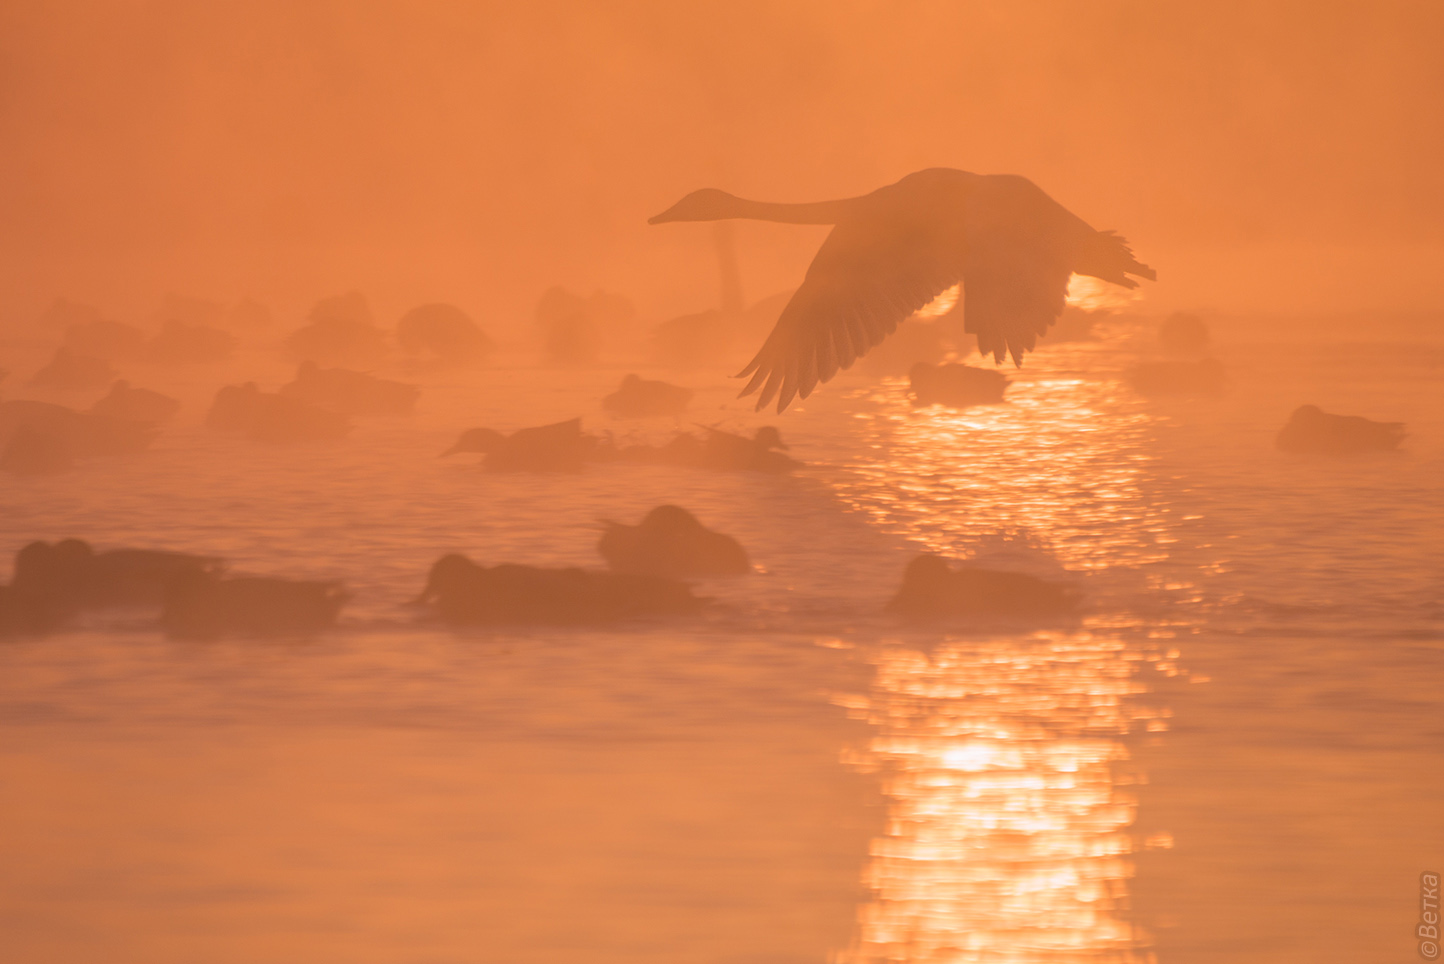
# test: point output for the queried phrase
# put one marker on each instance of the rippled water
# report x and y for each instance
(1232, 753)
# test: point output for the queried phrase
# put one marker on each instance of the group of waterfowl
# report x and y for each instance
(564, 447)
(865, 284)
(40, 437)
(194, 597)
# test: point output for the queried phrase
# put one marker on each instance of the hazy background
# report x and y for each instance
(1276, 157)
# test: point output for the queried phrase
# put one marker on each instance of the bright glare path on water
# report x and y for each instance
(1230, 755)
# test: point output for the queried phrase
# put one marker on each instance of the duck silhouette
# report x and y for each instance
(81, 434)
(350, 393)
(260, 416)
(560, 447)
(71, 570)
(639, 397)
(465, 593)
(955, 385)
(72, 371)
(135, 404)
(728, 451)
(670, 541)
(893, 251)
(1311, 430)
(341, 331)
(102, 338)
(1183, 333)
(445, 332)
(184, 343)
(205, 606)
(932, 588)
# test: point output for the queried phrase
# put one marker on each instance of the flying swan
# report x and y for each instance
(891, 252)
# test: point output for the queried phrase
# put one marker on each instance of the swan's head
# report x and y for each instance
(708, 204)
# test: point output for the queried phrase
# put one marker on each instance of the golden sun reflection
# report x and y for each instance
(1007, 835)
(1094, 294)
(1010, 806)
(940, 305)
(1062, 458)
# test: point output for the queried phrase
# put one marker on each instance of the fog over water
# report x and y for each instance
(1227, 751)
(1278, 156)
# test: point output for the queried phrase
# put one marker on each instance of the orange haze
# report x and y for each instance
(1279, 156)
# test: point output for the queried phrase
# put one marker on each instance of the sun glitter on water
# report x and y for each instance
(1094, 294)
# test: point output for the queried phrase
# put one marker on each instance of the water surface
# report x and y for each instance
(1232, 753)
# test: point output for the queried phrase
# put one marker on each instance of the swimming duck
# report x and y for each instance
(670, 541)
(638, 397)
(893, 251)
(1204, 376)
(956, 386)
(247, 411)
(561, 447)
(135, 404)
(72, 570)
(341, 331)
(445, 331)
(724, 450)
(1183, 334)
(72, 371)
(350, 393)
(182, 343)
(465, 593)
(933, 588)
(102, 338)
(1313, 431)
(82, 434)
(206, 606)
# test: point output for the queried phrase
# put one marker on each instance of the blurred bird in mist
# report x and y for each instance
(894, 250)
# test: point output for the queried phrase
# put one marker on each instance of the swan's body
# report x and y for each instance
(891, 252)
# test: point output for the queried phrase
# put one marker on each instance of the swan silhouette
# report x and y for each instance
(892, 251)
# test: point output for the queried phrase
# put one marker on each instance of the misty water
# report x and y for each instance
(1231, 754)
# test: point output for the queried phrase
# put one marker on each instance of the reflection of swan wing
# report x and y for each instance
(1022, 247)
(871, 273)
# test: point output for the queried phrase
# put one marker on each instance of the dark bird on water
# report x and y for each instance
(561, 447)
(1311, 430)
(891, 252)
(670, 541)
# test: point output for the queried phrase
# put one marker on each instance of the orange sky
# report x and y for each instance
(1280, 155)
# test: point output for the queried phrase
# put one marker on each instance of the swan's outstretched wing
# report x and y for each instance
(1022, 247)
(871, 273)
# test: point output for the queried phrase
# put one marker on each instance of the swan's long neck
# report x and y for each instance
(816, 212)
